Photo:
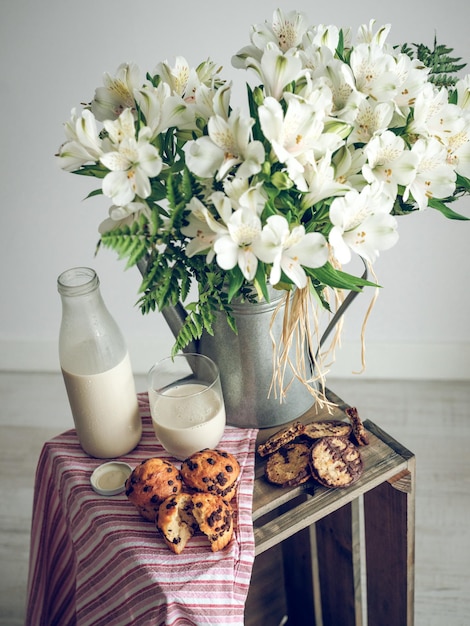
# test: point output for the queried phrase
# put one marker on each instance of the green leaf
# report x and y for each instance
(96, 192)
(98, 171)
(235, 284)
(338, 279)
(260, 278)
(434, 203)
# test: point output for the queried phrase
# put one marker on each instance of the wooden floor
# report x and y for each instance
(432, 419)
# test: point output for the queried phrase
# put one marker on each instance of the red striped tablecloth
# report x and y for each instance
(95, 561)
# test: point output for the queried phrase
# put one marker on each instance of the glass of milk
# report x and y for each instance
(186, 404)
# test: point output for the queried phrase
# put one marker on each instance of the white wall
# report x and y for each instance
(53, 55)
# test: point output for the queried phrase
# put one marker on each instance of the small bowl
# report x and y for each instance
(109, 479)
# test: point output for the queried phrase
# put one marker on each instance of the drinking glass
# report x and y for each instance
(186, 404)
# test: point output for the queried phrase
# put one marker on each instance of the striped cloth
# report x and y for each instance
(95, 561)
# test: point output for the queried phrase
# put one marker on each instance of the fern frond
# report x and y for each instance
(442, 66)
(128, 241)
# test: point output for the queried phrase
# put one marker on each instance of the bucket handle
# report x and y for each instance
(339, 313)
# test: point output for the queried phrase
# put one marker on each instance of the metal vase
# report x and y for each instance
(245, 361)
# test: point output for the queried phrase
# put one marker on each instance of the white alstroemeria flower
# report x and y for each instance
(433, 115)
(235, 248)
(228, 145)
(275, 68)
(463, 93)
(458, 150)
(371, 118)
(278, 69)
(110, 224)
(435, 178)
(120, 215)
(244, 195)
(198, 229)
(322, 36)
(362, 223)
(315, 58)
(348, 162)
(389, 161)
(117, 93)
(321, 182)
(121, 128)
(176, 77)
(285, 32)
(291, 134)
(131, 165)
(84, 144)
(224, 207)
(365, 34)
(289, 250)
(288, 29)
(162, 111)
(373, 72)
(183, 79)
(412, 76)
(208, 102)
(194, 93)
(346, 99)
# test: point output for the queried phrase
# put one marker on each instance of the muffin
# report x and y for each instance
(150, 483)
(215, 519)
(180, 516)
(211, 471)
(176, 521)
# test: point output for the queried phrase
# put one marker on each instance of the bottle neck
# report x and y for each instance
(90, 341)
(78, 281)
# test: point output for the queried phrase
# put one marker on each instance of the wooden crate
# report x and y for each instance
(337, 556)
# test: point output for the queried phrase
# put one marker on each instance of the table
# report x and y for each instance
(95, 561)
(335, 555)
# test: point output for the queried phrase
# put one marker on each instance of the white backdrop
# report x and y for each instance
(53, 55)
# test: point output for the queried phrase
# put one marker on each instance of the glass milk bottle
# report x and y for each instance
(96, 368)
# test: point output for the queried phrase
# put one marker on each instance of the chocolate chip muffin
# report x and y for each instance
(215, 519)
(176, 521)
(150, 483)
(182, 515)
(211, 471)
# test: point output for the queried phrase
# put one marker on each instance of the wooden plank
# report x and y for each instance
(389, 531)
(336, 567)
(298, 579)
(266, 601)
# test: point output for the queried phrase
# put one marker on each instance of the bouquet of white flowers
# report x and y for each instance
(339, 139)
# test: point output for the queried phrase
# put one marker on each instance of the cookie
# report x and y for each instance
(150, 483)
(215, 519)
(176, 521)
(289, 466)
(335, 462)
(279, 439)
(360, 434)
(327, 428)
(211, 471)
